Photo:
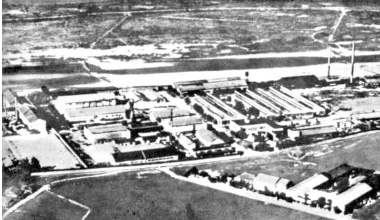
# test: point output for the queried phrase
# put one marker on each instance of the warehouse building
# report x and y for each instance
(254, 126)
(192, 87)
(217, 109)
(144, 153)
(92, 114)
(62, 103)
(168, 113)
(313, 132)
(268, 184)
(9, 102)
(27, 115)
(347, 201)
(184, 124)
(279, 101)
(106, 132)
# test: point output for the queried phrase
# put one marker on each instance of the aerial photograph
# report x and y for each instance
(190, 109)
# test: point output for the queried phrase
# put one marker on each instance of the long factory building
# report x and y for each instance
(220, 111)
(276, 102)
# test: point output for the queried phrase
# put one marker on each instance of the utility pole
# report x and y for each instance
(352, 62)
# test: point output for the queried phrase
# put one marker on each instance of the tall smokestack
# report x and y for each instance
(352, 62)
(328, 64)
(171, 115)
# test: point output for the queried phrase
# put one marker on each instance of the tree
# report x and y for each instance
(198, 109)
(187, 100)
(254, 112)
(35, 164)
(240, 107)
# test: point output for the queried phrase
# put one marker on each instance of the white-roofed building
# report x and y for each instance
(115, 112)
(305, 188)
(208, 138)
(27, 115)
(246, 178)
(345, 201)
(265, 183)
(62, 103)
(106, 132)
(184, 124)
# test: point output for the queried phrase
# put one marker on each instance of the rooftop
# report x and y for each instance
(184, 121)
(208, 136)
(29, 114)
(85, 97)
(247, 176)
(266, 179)
(319, 130)
(311, 182)
(140, 147)
(368, 115)
(243, 122)
(166, 113)
(107, 128)
(353, 193)
(340, 171)
(93, 111)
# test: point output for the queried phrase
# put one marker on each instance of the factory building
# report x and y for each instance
(192, 87)
(276, 102)
(63, 103)
(9, 102)
(168, 113)
(106, 132)
(257, 125)
(184, 124)
(217, 109)
(144, 153)
(92, 114)
(313, 132)
(28, 116)
(347, 201)
(268, 184)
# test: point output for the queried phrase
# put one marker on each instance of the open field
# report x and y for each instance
(247, 30)
(80, 31)
(48, 206)
(157, 196)
(363, 27)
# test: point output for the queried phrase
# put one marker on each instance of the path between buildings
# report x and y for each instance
(259, 197)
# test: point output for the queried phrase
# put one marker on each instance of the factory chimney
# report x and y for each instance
(352, 63)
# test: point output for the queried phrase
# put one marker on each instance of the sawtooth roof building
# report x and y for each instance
(276, 102)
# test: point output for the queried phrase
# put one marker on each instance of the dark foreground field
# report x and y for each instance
(48, 206)
(158, 196)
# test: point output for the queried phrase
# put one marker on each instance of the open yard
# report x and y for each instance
(158, 196)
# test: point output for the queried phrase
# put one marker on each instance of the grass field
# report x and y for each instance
(255, 30)
(80, 31)
(47, 206)
(160, 197)
(363, 27)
